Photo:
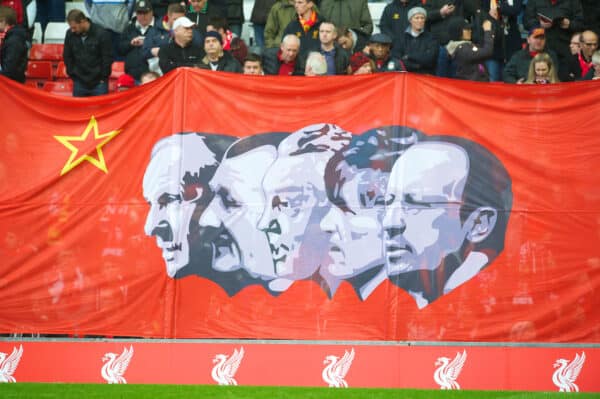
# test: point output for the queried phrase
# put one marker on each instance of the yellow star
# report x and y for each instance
(74, 159)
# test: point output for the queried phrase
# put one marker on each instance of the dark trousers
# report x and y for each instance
(79, 90)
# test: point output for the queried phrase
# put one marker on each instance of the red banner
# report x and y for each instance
(565, 369)
(209, 205)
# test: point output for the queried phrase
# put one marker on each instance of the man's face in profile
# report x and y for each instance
(359, 227)
(235, 211)
(422, 219)
(176, 199)
(294, 190)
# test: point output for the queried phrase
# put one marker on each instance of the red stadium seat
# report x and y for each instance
(46, 52)
(39, 71)
(62, 88)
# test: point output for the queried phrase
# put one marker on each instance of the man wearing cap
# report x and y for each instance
(517, 67)
(560, 19)
(131, 44)
(394, 19)
(379, 51)
(181, 51)
(216, 59)
(416, 49)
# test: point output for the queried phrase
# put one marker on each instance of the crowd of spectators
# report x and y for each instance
(513, 41)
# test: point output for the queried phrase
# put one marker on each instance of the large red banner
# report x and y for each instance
(209, 205)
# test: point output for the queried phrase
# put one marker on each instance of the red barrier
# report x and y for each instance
(293, 364)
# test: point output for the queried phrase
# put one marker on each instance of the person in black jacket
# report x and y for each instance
(131, 44)
(337, 58)
(305, 25)
(13, 47)
(469, 58)
(394, 19)
(88, 55)
(416, 49)
(181, 51)
(216, 59)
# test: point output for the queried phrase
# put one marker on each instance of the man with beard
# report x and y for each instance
(448, 202)
(176, 187)
(356, 179)
(296, 202)
(231, 218)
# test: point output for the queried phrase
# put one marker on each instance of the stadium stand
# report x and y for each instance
(38, 72)
(61, 88)
(55, 32)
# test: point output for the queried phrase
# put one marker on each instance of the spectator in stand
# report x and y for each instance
(238, 49)
(305, 25)
(542, 70)
(112, 15)
(468, 57)
(353, 14)
(517, 67)
(148, 77)
(509, 11)
(160, 35)
(337, 58)
(219, 25)
(361, 64)
(379, 51)
(216, 59)
(575, 44)
(282, 60)
(280, 16)
(199, 13)
(351, 41)
(253, 65)
(316, 65)
(26, 13)
(49, 11)
(13, 46)
(594, 72)
(591, 15)
(181, 51)
(394, 19)
(88, 55)
(260, 11)
(575, 67)
(131, 44)
(235, 16)
(560, 19)
(491, 12)
(440, 14)
(416, 49)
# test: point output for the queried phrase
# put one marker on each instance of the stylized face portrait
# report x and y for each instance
(176, 187)
(422, 221)
(296, 200)
(234, 212)
(359, 226)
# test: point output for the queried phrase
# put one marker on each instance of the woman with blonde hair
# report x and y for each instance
(542, 70)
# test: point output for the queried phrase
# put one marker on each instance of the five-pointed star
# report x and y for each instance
(98, 140)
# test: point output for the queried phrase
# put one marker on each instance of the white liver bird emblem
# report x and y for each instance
(9, 364)
(566, 373)
(114, 367)
(447, 372)
(336, 369)
(226, 367)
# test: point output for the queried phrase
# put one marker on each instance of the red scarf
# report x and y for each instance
(307, 24)
(584, 65)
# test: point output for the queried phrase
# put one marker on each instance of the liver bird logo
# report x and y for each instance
(226, 367)
(447, 372)
(336, 369)
(566, 373)
(9, 364)
(114, 367)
